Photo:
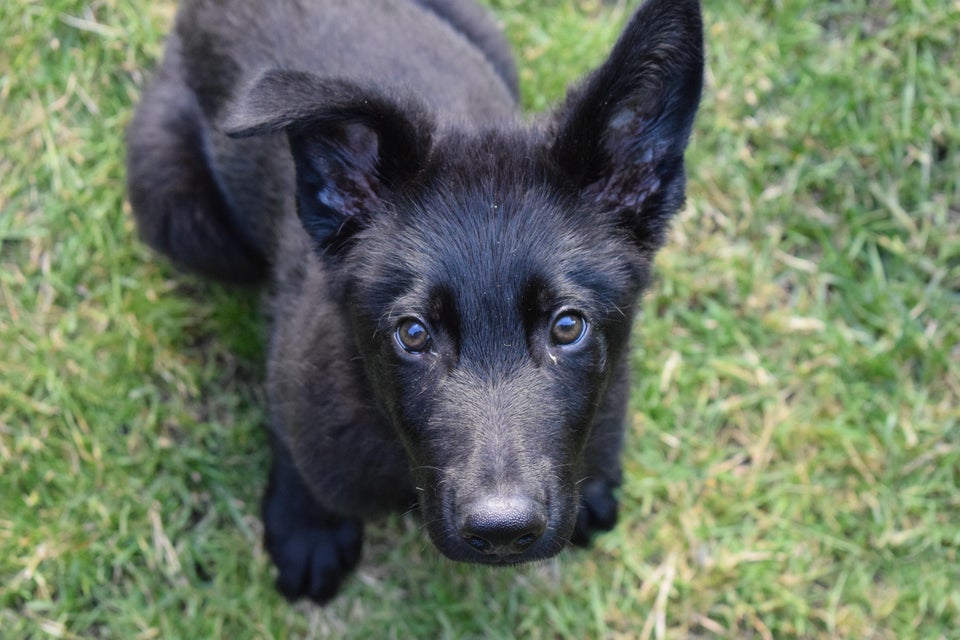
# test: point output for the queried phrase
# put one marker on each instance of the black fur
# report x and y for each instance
(367, 156)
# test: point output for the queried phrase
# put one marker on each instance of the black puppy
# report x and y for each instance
(452, 289)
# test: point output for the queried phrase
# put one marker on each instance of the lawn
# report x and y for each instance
(793, 462)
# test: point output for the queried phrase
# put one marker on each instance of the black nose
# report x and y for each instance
(502, 526)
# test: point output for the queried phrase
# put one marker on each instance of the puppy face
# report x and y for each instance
(490, 310)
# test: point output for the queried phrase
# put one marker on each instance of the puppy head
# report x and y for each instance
(492, 277)
(491, 308)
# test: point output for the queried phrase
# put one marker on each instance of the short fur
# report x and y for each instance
(367, 157)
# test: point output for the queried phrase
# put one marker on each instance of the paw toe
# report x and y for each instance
(312, 562)
(597, 512)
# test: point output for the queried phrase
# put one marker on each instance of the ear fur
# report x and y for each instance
(620, 137)
(351, 145)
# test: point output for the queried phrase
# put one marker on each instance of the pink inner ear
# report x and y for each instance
(633, 156)
(352, 185)
(626, 187)
(350, 190)
(362, 145)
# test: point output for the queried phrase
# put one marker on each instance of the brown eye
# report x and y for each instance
(569, 328)
(413, 336)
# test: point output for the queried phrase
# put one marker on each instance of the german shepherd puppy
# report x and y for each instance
(452, 289)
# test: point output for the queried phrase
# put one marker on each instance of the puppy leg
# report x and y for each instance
(179, 208)
(598, 502)
(597, 512)
(313, 548)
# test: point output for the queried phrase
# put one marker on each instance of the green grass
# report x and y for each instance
(794, 453)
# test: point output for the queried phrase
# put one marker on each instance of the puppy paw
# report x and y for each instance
(312, 559)
(597, 512)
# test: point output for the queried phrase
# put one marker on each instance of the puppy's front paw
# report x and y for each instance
(597, 512)
(313, 559)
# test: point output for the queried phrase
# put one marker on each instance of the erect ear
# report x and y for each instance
(620, 136)
(352, 147)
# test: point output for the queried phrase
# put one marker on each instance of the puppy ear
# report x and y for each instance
(620, 137)
(352, 147)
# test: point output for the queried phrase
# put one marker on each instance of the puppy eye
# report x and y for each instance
(569, 328)
(413, 336)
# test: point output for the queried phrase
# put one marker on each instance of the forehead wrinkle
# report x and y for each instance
(484, 237)
(487, 231)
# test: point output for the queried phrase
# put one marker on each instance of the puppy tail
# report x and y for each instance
(179, 208)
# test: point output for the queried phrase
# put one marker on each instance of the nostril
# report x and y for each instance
(525, 540)
(502, 526)
(478, 543)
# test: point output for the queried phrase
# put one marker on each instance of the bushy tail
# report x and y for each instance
(179, 208)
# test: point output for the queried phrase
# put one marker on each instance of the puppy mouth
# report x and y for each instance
(456, 547)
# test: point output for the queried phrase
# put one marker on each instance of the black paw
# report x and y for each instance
(314, 549)
(312, 559)
(597, 512)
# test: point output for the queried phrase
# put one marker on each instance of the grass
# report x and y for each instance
(794, 452)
